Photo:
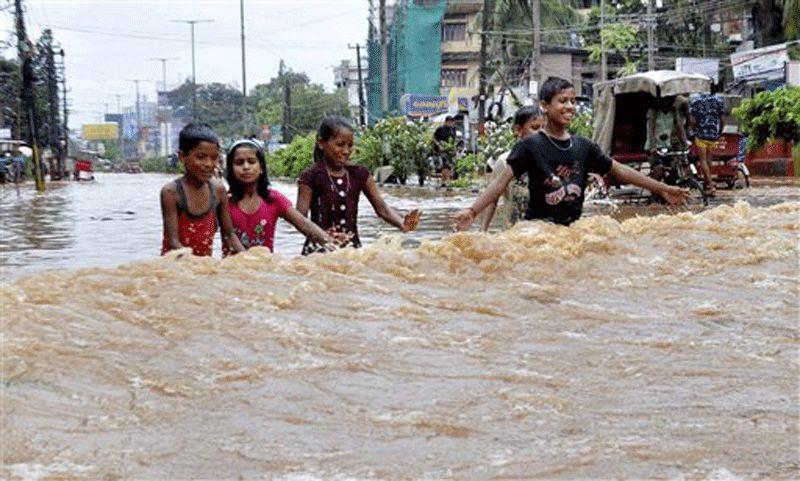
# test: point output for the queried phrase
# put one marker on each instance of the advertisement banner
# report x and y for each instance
(424, 105)
(762, 63)
(107, 131)
(706, 66)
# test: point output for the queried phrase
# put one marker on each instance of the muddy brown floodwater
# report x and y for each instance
(624, 346)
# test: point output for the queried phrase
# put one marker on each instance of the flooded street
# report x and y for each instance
(629, 345)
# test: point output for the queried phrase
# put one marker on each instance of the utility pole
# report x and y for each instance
(194, 78)
(138, 114)
(287, 110)
(120, 153)
(25, 52)
(384, 59)
(603, 75)
(651, 64)
(64, 126)
(56, 170)
(487, 25)
(163, 61)
(245, 116)
(361, 119)
(536, 52)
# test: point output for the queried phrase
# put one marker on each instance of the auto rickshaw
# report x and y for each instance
(620, 122)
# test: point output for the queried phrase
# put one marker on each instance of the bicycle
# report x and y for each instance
(675, 168)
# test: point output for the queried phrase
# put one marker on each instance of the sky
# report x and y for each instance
(109, 42)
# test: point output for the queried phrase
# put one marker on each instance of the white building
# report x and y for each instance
(345, 75)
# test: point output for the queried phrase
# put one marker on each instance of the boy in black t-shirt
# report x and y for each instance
(558, 166)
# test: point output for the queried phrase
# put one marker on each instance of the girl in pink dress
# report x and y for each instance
(254, 207)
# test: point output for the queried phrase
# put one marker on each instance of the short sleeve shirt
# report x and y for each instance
(557, 174)
(334, 200)
(707, 110)
(258, 228)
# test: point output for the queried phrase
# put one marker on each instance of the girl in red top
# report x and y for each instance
(331, 187)
(194, 204)
(254, 207)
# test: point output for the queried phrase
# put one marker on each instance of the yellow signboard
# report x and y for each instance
(108, 131)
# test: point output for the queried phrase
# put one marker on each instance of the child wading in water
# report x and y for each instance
(254, 207)
(558, 165)
(528, 120)
(331, 187)
(192, 205)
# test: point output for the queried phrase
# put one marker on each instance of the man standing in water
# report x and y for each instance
(558, 165)
(443, 138)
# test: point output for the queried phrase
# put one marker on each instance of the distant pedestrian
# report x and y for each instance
(444, 140)
(254, 207)
(706, 116)
(191, 206)
(527, 121)
(558, 165)
(331, 187)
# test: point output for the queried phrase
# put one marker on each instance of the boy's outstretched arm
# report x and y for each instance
(169, 215)
(464, 218)
(672, 194)
(229, 238)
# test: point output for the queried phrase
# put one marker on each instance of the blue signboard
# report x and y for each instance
(424, 105)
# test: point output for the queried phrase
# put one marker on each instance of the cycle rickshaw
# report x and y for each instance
(620, 126)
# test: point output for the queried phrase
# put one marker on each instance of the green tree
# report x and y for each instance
(619, 38)
(770, 115)
(310, 102)
(218, 104)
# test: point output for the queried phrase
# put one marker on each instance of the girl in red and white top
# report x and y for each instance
(254, 207)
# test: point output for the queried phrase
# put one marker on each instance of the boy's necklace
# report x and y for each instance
(544, 131)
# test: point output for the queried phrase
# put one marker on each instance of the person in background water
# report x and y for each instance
(444, 137)
(706, 115)
(558, 165)
(331, 187)
(527, 120)
(254, 207)
(192, 205)
(663, 120)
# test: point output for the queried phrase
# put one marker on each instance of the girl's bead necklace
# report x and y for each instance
(342, 194)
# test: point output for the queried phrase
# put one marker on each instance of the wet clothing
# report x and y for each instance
(707, 110)
(334, 200)
(516, 196)
(195, 230)
(557, 174)
(258, 228)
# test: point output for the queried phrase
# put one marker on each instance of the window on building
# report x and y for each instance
(454, 77)
(454, 32)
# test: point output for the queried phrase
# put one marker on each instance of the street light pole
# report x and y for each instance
(164, 61)
(194, 78)
(138, 114)
(245, 117)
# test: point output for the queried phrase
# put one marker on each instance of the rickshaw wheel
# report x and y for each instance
(742, 180)
(697, 195)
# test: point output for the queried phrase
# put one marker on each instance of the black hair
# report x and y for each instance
(194, 133)
(236, 186)
(327, 129)
(449, 118)
(524, 114)
(552, 86)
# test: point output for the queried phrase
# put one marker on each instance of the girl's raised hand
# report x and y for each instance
(411, 221)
